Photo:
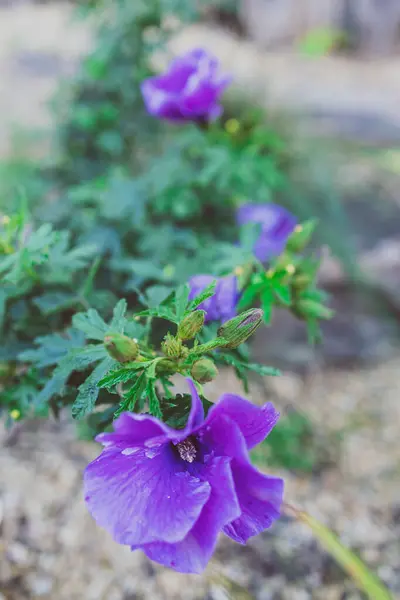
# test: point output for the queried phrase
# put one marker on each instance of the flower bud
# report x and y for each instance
(191, 325)
(301, 236)
(171, 346)
(204, 370)
(165, 367)
(121, 347)
(240, 328)
(302, 281)
(313, 309)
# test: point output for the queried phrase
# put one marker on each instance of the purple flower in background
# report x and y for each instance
(222, 306)
(189, 91)
(170, 492)
(277, 225)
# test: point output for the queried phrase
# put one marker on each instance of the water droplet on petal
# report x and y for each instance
(129, 451)
(152, 452)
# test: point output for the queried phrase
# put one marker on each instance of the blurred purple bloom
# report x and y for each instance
(188, 91)
(277, 225)
(222, 306)
(170, 492)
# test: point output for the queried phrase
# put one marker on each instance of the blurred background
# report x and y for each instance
(320, 81)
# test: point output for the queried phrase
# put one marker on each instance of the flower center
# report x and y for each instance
(187, 450)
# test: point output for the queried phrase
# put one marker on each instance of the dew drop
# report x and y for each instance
(152, 452)
(129, 451)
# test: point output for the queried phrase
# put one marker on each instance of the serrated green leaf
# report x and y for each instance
(154, 403)
(181, 300)
(156, 294)
(91, 324)
(249, 296)
(262, 369)
(118, 320)
(52, 348)
(76, 360)
(89, 390)
(118, 376)
(283, 294)
(204, 295)
(133, 397)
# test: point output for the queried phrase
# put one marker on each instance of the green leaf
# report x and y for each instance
(89, 390)
(204, 295)
(53, 347)
(263, 370)
(118, 376)
(267, 302)
(156, 294)
(133, 396)
(54, 302)
(154, 403)
(283, 293)
(75, 360)
(181, 300)
(118, 321)
(91, 324)
(249, 296)
(352, 564)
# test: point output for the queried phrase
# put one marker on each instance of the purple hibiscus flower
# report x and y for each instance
(277, 225)
(189, 90)
(170, 492)
(222, 306)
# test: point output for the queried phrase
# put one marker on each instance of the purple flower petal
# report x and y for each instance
(222, 306)
(277, 225)
(260, 498)
(189, 90)
(192, 554)
(255, 423)
(143, 495)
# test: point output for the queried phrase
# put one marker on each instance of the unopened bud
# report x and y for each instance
(165, 367)
(301, 236)
(121, 347)
(171, 346)
(240, 328)
(302, 281)
(190, 326)
(311, 308)
(204, 370)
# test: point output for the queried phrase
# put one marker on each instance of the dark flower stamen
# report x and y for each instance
(187, 450)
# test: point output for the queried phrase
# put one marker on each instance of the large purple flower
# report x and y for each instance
(170, 492)
(189, 90)
(276, 226)
(222, 306)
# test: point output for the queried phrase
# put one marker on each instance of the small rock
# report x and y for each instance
(19, 554)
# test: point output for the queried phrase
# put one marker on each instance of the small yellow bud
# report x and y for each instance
(232, 126)
(15, 414)
(291, 269)
(5, 220)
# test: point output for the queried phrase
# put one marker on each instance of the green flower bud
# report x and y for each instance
(204, 370)
(121, 347)
(301, 236)
(302, 281)
(240, 328)
(172, 346)
(191, 325)
(311, 308)
(165, 367)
